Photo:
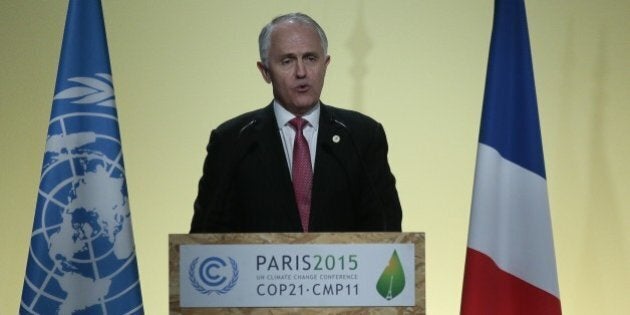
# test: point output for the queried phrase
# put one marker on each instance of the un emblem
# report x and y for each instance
(82, 259)
(213, 275)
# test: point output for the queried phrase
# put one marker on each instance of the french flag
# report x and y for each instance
(510, 261)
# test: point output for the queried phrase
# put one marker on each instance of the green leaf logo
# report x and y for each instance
(392, 281)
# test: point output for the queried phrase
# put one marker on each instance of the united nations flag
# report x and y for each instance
(82, 258)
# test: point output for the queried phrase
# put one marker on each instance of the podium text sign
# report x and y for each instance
(288, 273)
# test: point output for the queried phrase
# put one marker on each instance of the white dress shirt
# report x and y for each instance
(287, 131)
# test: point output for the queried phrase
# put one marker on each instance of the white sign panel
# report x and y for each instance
(302, 275)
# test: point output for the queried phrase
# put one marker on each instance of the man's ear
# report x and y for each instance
(264, 71)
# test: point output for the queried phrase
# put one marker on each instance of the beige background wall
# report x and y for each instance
(182, 67)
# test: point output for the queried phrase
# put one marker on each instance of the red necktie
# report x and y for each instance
(302, 172)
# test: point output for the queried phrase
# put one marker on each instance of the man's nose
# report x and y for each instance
(300, 69)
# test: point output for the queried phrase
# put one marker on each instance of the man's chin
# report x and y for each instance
(302, 107)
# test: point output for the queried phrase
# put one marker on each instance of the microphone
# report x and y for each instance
(246, 126)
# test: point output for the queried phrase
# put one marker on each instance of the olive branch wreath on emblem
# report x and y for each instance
(201, 289)
(92, 90)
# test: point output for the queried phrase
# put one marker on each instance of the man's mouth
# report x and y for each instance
(302, 88)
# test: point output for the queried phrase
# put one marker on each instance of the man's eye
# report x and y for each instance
(285, 61)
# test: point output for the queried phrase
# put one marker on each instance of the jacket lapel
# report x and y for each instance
(333, 149)
(266, 139)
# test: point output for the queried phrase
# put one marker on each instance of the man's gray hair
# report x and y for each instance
(264, 39)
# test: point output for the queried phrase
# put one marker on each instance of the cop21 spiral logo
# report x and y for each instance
(213, 275)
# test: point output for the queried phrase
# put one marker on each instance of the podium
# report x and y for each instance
(297, 273)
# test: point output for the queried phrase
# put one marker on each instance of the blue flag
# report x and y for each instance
(82, 258)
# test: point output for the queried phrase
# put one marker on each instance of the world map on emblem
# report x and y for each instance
(82, 259)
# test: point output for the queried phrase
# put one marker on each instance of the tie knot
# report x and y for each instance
(298, 123)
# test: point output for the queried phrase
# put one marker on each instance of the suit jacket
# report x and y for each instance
(246, 185)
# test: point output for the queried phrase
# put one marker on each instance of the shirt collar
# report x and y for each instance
(283, 116)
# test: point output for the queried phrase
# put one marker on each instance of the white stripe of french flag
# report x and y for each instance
(510, 261)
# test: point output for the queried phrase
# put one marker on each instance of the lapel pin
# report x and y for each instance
(336, 139)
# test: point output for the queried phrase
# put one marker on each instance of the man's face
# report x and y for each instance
(296, 66)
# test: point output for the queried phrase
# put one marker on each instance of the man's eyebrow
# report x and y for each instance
(312, 52)
(295, 55)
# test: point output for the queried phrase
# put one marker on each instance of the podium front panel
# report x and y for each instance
(297, 273)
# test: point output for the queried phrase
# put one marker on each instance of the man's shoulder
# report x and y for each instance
(242, 121)
(350, 118)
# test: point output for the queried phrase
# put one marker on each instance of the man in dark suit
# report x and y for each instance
(296, 164)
